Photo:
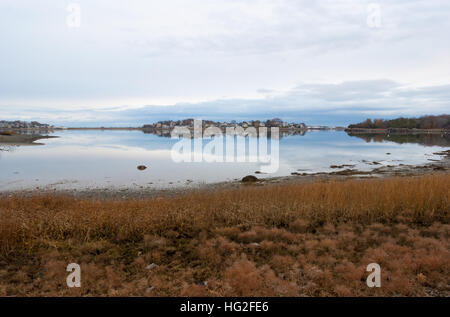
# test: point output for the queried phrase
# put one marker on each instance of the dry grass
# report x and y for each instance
(279, 240)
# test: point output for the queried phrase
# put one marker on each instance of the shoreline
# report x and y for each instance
(353, 130)
(23, 138)
(344, 172)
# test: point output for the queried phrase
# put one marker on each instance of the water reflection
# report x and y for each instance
(109, 158)
(432, 139)
(167, 133)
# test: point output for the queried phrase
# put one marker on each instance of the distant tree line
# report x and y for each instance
(425, 122)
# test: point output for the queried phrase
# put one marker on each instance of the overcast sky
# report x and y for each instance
(131, 62)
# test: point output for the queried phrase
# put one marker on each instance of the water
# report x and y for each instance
(109, 159)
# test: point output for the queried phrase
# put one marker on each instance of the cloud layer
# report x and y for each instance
(223, 58)
(331, 104)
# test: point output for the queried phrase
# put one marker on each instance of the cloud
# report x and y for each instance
(341, 103)
(217, 55)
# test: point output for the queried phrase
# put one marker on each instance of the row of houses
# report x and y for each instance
(33, 125)
(276, 122)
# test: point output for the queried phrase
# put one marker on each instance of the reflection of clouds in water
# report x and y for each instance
(108, 152)
(330, 148)
(110, 138)
(5, 148)
(109, 158)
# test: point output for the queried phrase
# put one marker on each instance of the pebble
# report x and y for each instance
(151, 266)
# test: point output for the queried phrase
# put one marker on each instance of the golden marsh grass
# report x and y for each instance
(276, 240)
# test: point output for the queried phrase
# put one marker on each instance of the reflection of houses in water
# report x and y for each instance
(244, 128)
(5, 148)
(166, 132)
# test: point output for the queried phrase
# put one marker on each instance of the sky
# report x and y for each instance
(126, 63)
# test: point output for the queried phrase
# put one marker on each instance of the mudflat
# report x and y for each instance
(22, 138)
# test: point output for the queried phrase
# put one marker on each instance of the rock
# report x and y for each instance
(351, 172)
(445, 153)
(342, 166)
(142, 167)
(151, 266)
(249, 179)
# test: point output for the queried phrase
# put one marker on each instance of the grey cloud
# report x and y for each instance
(150, 50)
(322, 103)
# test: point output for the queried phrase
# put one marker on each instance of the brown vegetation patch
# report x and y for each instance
(275, 240)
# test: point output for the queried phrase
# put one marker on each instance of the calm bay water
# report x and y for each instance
(105, 159)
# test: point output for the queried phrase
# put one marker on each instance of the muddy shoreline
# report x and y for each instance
(22, 139)
(343, 172)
